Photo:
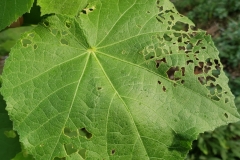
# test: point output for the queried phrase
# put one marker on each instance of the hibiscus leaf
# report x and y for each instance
(117, 81)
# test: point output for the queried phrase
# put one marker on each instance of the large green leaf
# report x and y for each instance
(68, 7)
(118, 81)
(10, 10)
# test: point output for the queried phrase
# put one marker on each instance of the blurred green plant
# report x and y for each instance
(9, 37)
(203, 11)
(228, 43)
(221, 144)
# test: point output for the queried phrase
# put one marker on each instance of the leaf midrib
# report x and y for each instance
(139, 137)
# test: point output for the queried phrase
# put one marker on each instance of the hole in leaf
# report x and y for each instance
(159, 82)
(171, 72)
(182, 81)
(84, 11)
(64, 33)
(206, 69)
(216, 98)
(99, 88)
(180, 40)
(183, 71)
(31, 35)
(177, 34)
(46, 23)
(64, 41)
(170, 11)
(188, 51)
(209, 78)
(198, 69)
(166, 37)
(226, 100)
(149, 56)
(69, 149)
(211, 88)
(226, 115)
(70, 133)
(164, 88)
(208, 61)
(82, 153)
(158, 62)
(199, 42)
(216, 61)
(68, 24)
(189, 61)
(181, 48)
(26, 42)
(219, 88)
(189, 46)
(54, 31)
(218, 67)
(148, 12)
(202, 80)
(178, 26)
(88, 10)
(85, 133)
(160, 8)
(219, 95)
(159, 20)
(216, 73)
(113, 151)
(35, 46)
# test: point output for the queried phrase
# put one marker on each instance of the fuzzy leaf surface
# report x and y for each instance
(68, 7)
(117, 81)
(11, 10)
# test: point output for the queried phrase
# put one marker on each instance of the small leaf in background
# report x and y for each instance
(9, 37)
(10, 11)
(10, 145)
(23, 156)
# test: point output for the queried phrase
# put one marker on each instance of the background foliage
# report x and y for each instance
(221, 19)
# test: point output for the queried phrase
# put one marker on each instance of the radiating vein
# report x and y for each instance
(125, 105)
(71, 106)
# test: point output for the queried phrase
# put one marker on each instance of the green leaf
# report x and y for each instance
(9, 37)
(12, 10)
(117, 81)
(10, 145)
(69, 7)
(23, 156)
